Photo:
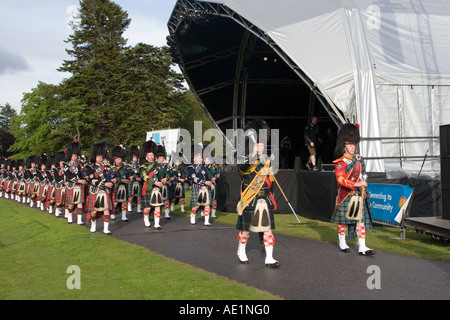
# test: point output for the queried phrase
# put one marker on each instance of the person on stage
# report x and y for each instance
(257, 204)
(352, 209)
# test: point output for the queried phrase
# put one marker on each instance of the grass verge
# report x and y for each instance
(36, 249)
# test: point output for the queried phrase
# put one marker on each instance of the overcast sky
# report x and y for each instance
(32, 34)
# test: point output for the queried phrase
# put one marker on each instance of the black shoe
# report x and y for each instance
(346, 250)
(369, 252)
(276, 264)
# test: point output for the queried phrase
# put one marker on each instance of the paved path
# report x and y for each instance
(309, 269)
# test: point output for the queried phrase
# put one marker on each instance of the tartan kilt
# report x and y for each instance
(68, 195)
(130, 188)
(41, 195)
(90, 202)
(338, 215)
(29, 188)
(244, 220)
(171, 190)
(48, 196)
(194, 197)
(59, 195)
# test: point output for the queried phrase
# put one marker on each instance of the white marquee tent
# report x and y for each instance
(384, 64)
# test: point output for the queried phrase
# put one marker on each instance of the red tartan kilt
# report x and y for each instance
(59, 195)
(68, 197)
(91, 202)
(41, 195)
(29, 188)
(48, 196)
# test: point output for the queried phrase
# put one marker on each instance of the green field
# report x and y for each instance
(36, 249)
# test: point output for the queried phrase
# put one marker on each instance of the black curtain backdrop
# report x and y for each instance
(312, 194)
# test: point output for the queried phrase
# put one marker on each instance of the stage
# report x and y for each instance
(312, 194)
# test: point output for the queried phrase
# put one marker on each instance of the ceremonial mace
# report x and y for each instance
(251, 135)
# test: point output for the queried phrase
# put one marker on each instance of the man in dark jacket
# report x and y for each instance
(311, 136)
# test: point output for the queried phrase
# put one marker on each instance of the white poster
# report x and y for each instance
(167, 138)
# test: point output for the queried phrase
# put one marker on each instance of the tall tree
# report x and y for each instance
(98, 46)
(6, 113)
(36, 121)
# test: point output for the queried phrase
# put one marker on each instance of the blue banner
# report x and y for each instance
(388, 201)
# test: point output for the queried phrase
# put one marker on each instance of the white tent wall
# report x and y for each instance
(383, 63)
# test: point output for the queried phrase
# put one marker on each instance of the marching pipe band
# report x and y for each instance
(66, 185)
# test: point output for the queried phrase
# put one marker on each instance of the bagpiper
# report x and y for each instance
(152, 185)
(7, 179)
(135, 185)
(352, 209)
(257, 204)
(31, 176)
(121, 174)
(60, 181)
(99, 199)
(43, 182)
(50, 199)
(200, 180)
(3, 175)
(177, 190)
(163, 174)
(214, 173)
(75, 183)
(20, 186)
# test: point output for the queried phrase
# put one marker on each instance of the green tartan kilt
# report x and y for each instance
(130, 188)
(338, 215)
(145, 200)
(194, 197)
(244, 220)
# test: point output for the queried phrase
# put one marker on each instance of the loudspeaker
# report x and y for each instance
(444, 137)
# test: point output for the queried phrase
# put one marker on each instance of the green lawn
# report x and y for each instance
(36, 249)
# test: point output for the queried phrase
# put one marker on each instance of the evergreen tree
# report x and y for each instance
(6, 113)
(98, 47)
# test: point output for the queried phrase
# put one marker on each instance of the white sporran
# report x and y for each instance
(121, 194)
(76, 195)
(101, 202)
(203, 197)
(156, 198)
(355, 206)
(261, 217)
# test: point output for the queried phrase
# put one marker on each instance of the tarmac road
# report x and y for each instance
(310, 269)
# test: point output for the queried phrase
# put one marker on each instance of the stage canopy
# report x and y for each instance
(383, 64)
